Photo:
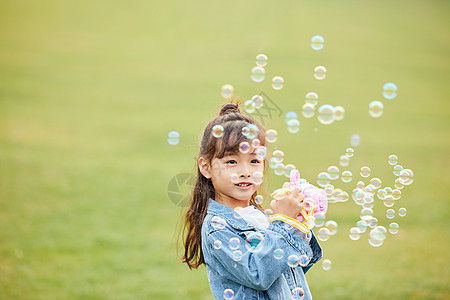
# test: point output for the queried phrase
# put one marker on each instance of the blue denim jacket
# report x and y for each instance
(250, 271)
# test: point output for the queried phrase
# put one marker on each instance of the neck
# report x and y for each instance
(230, 202)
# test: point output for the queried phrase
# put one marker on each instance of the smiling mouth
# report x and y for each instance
(243, 184)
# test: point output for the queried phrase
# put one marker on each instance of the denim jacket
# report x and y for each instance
(240, 260)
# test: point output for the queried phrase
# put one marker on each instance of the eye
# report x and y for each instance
(255, 161)
(231, 162)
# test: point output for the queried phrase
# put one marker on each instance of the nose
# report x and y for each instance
(244, 172)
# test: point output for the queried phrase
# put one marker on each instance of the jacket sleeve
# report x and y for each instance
(256, 268)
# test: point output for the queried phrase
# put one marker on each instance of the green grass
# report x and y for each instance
(89, 91)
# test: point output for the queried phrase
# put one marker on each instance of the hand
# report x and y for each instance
(290, 205)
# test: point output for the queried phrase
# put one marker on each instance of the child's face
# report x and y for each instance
(233, 175)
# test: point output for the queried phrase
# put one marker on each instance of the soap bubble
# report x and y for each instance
(326, 264)
(393, 228)
(250, 131)
(218, 222)
(389, 201)
(319, 219)
(361, 225)
(317, 42)
(406, 176)
(349, 152)
(320, 72)
(249, 106)
(234, 178)
(346, 176)
(293, 126)
(333, 172)
(259, 199)
(397, 170)
(217, 244)
(244, 147)
(173, 138)
(258, 178)
(390, 213)
(355, 140)
(398, 183)
(303, 260)
(332, 227)
(308, 110)
(279, 169)
(323, 234)
(227, 91)
(258, 74)
(326, 114)
(339, 113)
(277, 82)
(271, 135)
(255, 143)
(217, 131)
(365, 171)
(393, 159)
(298, 293)
(261, 60)
(278, 253)
(234, 243)
(228, 294)
(396, 194)
(279, 155)
(402, 212)
(288, 169)
(258, 101)
(376, 109)
(389, 90)
(237, 255)
(354, 233)
(293, 261)
(323, 179)
(261, 152)
(344, 160)
(252, 241)
(290, 115)
(376, 182)
(312, 98)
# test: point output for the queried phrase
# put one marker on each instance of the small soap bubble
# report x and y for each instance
(293, 261)
(402, 212)
(234, 178)
(277, 83)
(217, 131)
(303, 260)
(290, 115)
(258, 178)
(320, 72)
(389, 201)
(365, 171)
(366, 214)
(261, 152)
(397, 194)
(355, 140)
(258, 101)
(354, 233)
(268, 212)
(398, 183)
(323, 234)
(261, 60)
(217, 244)
(376, 109)
(360, 185)
(406, 176)
(323, 179)
(393, 228)
(271, 135)
(376, 182)
(259, 199)
(344, 160)
(255, 143)
(331, 225)
(258, 74)
(288, 169)
(362, 226)
(244, 147)
(249, 106)
(375, 243)
(250, 131)
(378, 233)
(339, 113)
(173, 138)
(326, 114)
(279, 169)
(389, 90)
(228, 294)
(390, 213)
(346, 176)
(293, 126)
(319, 219)
(278, 253)
(350, 152)
(326, 264)
(397, 170)
(308, 110)
(227, 91)
(317, 42)
(234, 243)
(279, 155)
(393, 159)
(298, 293)
(218, 222)
(253, 240)
(333, 172)
(312, 98)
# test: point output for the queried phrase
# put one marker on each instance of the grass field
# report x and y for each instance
(90, 89)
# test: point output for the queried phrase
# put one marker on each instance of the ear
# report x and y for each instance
(204, 167)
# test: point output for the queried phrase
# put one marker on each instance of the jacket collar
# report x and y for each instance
(230, 216)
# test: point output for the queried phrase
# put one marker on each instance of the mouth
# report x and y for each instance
(244, 185)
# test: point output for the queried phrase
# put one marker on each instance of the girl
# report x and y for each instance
(247, 254)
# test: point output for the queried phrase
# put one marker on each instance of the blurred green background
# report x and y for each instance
(90, 89)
